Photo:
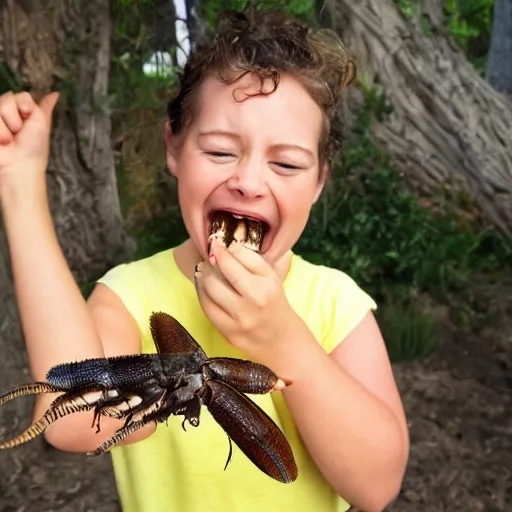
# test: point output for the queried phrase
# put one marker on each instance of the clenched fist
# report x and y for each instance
(24, 136)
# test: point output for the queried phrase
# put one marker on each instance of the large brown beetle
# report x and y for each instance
(177, 380)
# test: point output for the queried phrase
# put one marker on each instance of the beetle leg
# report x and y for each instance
(74, 404)
(142, 417)
(191, 411)
(230, 453)
(121, 434)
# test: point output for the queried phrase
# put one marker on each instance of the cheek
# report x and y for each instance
(192, 183)
(296, 203)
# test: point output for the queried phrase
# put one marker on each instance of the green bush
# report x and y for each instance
(469, 22)
(409, 334)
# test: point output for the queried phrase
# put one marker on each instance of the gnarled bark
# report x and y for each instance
(448, 124)
(66, 43)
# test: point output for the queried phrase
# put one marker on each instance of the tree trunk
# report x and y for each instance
(499, 64)
(61, 44)
(448, 125)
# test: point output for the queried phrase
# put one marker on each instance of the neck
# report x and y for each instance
(187, 257)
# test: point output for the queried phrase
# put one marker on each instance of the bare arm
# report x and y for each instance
(58, 325)
(349, 414)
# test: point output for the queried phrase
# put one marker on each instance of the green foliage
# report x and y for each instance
(409, 334)
(407, 7)
(302, 9)
(9, 81)
(470, 24)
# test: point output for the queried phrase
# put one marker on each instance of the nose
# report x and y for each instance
(248, 180)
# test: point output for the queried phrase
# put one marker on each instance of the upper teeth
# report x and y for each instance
(240, 234)
(226, 229)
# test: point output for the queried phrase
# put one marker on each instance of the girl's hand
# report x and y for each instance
(24, 136)
(244, 298)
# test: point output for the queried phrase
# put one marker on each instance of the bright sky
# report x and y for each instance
(181, 31)
(164, 58)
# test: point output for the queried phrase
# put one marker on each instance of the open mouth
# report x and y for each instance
(228, 227)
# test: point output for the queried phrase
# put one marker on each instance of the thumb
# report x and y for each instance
(47, 105)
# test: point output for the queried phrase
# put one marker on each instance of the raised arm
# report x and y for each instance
(58, 324)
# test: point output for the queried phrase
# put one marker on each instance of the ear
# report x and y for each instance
(324, 173)
(171, 150)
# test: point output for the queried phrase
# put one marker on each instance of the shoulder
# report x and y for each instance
(139, 283)
(156, 262)
(328, 299)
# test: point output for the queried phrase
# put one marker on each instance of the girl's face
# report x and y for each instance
(257, 158)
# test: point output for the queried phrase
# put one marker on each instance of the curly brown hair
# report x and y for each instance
(267, 43)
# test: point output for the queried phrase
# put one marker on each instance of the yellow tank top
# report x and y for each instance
(177, 471)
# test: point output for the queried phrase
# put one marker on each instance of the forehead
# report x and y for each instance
(289, 110)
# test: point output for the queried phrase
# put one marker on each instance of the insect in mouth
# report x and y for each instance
(178, 380)
(227, 228)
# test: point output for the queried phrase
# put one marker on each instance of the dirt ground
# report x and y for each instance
(459, 408)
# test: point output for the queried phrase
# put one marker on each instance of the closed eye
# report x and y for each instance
(219, 154)
(285, 165)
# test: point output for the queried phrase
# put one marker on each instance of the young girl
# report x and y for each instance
(250, 133)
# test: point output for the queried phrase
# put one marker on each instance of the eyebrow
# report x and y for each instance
(233, 135)
(223, 133)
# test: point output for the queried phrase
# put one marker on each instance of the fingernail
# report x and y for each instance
(197, 273)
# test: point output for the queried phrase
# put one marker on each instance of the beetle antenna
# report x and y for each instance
(35, 388)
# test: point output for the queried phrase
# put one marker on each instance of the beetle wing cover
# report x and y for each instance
(252, 430)
(171, 337)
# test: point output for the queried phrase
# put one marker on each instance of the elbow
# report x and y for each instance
(73, 435)
(380, 500)
(77, 435)
(376, 497)
(382, 496)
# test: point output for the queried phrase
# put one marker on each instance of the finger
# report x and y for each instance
(47, 105)
(6, 136)
(217, 290)
(10, 114)
(280, 385)
(250, 259)
(215, 313)
(240, 268)
(26, 104)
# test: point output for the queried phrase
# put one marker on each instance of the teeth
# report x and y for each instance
(240, 234)
(228, 228)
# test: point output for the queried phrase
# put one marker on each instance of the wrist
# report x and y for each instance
(23, 192)
(293, 351)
